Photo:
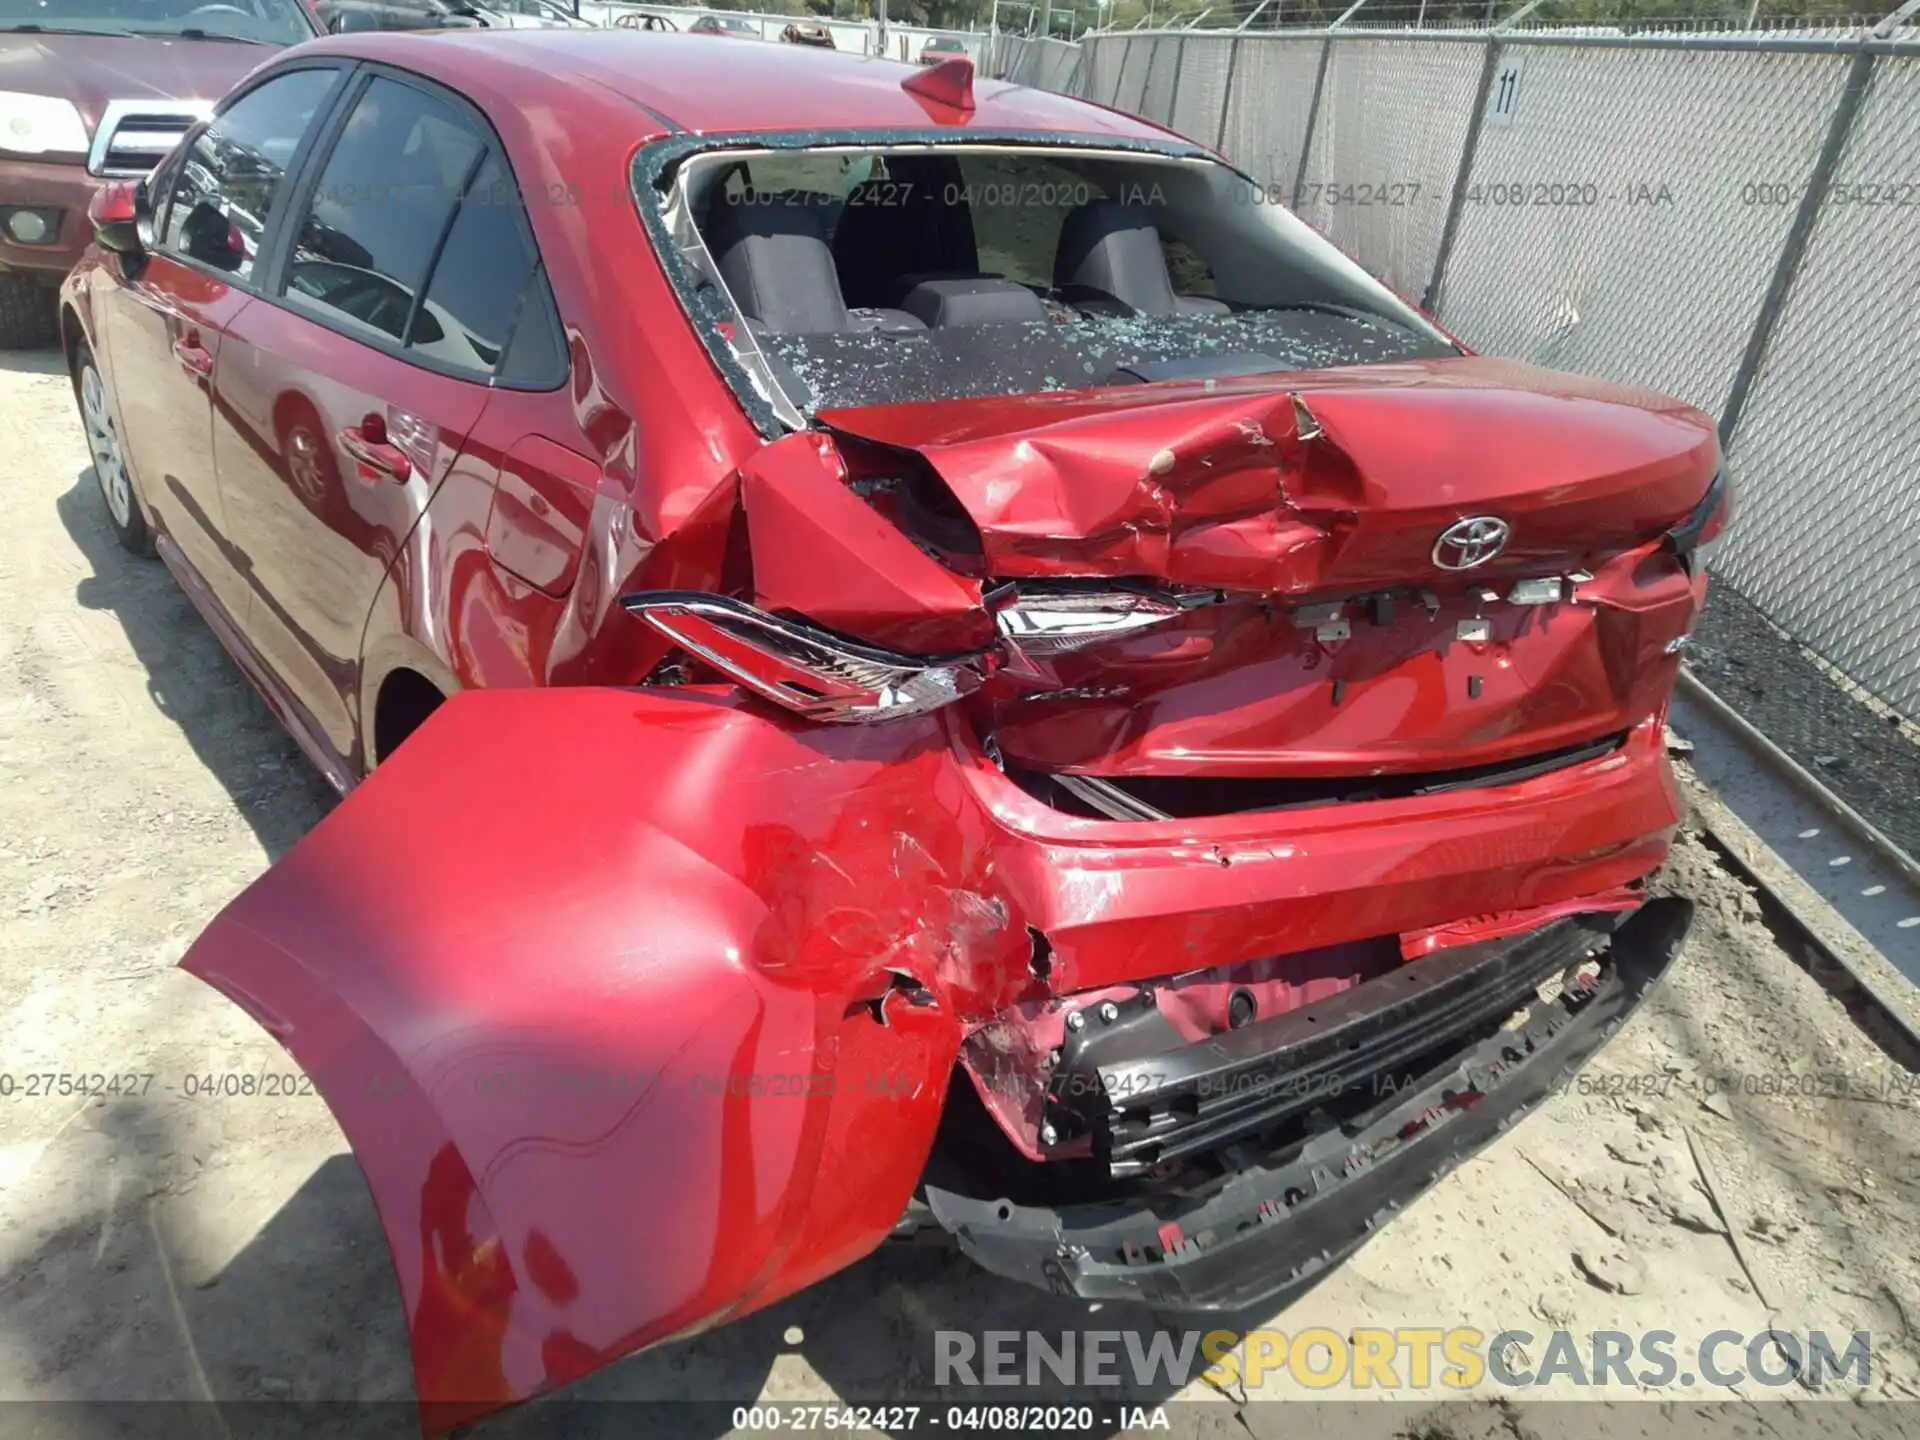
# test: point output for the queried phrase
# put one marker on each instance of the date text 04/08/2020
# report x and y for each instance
(1045, 1419)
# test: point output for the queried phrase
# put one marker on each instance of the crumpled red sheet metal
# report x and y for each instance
(639, 1009)
(1210, 482)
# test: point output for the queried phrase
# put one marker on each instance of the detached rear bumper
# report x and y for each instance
(695, 940)
(1270, 1230)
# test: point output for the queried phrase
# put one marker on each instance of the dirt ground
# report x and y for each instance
(163, 1246)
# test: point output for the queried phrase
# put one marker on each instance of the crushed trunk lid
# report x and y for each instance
(1301, 483)
(1425, 568)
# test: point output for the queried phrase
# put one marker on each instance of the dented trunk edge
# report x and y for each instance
(567, 942)
(1271, 1230)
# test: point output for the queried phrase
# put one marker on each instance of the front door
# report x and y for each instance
(166, 323)
(346, 396)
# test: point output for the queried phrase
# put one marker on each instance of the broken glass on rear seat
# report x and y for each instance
(854, 276)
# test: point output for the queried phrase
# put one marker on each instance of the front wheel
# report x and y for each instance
(109, 457)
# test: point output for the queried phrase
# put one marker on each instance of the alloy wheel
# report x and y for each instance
(103, 438)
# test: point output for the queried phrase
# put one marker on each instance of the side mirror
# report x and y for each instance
(115, 213)
(348, 22)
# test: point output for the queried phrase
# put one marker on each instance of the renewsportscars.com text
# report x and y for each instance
(1406, 1358)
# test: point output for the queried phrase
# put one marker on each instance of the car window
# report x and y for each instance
(230, 180)
(1006, 270)
(350, 15)
(537, 353)
(822, 182)
(159, 183)
(1018, 204)
(482, 274)
(264, 22)
(415, 235)
(382, 204)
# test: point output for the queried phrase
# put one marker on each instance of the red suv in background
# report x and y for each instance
(94, 89)
(992, 682)
(941, 48)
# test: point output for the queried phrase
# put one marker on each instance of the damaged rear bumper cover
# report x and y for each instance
(1273, 1228)
(639, 1010)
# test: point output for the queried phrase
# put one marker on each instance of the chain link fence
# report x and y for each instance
(1733, 218)
(1043, 64)
(859, 37)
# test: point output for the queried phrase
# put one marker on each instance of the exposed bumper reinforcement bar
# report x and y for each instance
(1144, 1095)
(1270, 1230)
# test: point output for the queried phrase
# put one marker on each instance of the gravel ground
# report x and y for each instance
(1859, 747)
(156, 1246)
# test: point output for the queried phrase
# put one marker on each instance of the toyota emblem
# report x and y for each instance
(1470, 542)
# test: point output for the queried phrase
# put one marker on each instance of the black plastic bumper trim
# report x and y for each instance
(1271, 1229)
(1145, 1095)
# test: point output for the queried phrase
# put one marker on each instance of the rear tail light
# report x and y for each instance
(802, 668)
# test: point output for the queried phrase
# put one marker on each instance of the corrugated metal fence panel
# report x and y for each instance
(1610, 224)
(1134, 65)
(1029, 60)
(1026, 62)
(1104, 59)
(1043, 64)
(1271, 98)
(858, 37)
(1203, 87)
(1627, 209)
(1386, 147)
(1826, 459)
(1156, 103)
(1057, 67)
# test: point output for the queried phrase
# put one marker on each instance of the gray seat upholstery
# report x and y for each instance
(772, 254)
(915, 224)
(978, 300)
(1113, 248)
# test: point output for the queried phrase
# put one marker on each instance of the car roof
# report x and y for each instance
(721, 89)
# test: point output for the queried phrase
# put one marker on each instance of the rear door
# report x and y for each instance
(349, 392)
(165, 324)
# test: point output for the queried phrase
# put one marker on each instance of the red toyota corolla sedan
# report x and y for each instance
(992, 680)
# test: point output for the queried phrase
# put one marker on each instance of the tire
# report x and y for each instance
(109, 458)
(27, 318)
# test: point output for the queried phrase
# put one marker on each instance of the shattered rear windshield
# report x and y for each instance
(838, 276)
(832, 370)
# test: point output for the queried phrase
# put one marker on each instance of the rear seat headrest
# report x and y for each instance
(943, 304)
(1114, 247)
(771, 251)
(914, 221)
